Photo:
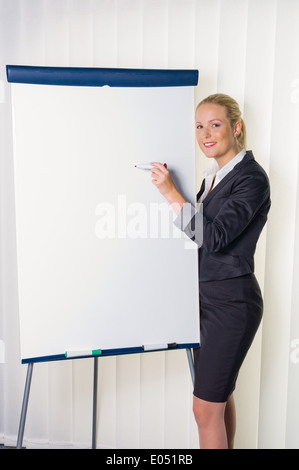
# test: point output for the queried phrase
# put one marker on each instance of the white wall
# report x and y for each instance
(278, 404)
(249, 50)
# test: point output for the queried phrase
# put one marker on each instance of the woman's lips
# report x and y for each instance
(209, 144)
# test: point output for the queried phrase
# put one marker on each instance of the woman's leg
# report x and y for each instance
(230, 421)
(216, 423)
(209, 417)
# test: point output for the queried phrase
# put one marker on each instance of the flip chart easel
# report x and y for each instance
(64, 133)
(95, 399)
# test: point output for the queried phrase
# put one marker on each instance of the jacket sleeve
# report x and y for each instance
(235, 213)
(190, 221)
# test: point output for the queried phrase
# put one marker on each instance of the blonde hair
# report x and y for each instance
(233, 113)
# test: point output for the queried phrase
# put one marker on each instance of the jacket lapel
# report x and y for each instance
(247, 157)
(200, 192)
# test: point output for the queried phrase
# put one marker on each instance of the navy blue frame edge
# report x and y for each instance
(114, 77)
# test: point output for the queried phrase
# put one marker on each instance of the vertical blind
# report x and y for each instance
(243, 48)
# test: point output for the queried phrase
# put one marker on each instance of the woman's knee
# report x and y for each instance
(206, 412)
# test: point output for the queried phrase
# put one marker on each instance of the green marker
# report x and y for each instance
(91, 352)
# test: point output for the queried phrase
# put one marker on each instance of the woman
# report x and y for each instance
(234, 201)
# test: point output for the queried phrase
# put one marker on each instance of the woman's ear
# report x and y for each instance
(237, 129)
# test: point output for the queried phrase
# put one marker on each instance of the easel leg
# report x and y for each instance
(24, 406)
(95, 399)
(191, 363)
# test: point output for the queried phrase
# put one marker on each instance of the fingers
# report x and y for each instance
(160, 166)
(155, 176)
(159, 171)
(161, 178)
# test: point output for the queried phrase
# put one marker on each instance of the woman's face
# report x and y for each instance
(214, 133)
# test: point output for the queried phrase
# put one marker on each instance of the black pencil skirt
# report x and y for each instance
(230, 314)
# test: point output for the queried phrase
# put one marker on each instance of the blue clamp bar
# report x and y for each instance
(114, 77)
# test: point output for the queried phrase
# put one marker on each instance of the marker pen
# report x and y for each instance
(147, 166)
(91, 352)
(153, 347)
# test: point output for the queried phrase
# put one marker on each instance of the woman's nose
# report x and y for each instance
(206, 132)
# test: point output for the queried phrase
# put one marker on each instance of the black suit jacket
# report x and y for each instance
(233, 216)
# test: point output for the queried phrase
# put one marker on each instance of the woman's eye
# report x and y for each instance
(198, 126)
(215, 124)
